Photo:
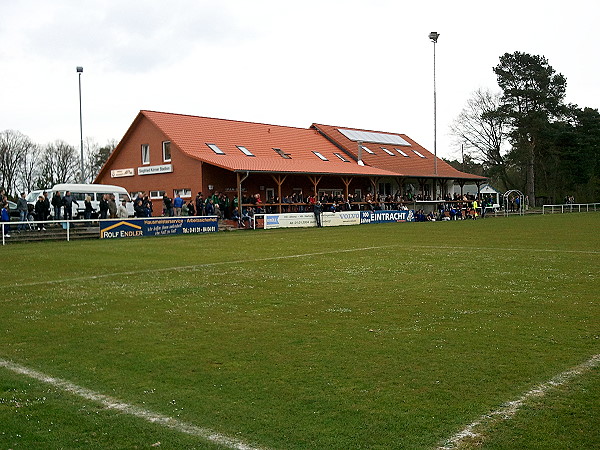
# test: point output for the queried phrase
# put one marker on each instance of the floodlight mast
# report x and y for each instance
(434, 37)
(79, 72)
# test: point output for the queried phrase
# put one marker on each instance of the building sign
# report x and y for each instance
(295, 220)
(151, 170)
(118, 173)
(387, 216)
(157, 226)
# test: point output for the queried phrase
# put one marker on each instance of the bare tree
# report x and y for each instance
(60, 164)
(30, 169)
(96, 156)
(13, 148)
(484, 132)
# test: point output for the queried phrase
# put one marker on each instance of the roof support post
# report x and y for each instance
(400, 183)
(239, 190)
(374, 181)
(346, 181)
(279, 179)
(315, 182)
(461, 183)
(478, 184)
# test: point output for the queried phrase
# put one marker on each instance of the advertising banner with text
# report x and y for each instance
(157, 226)
(387, 216)
(328, 219)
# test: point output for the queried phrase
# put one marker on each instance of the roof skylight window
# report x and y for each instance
(216, 149)
(402, 153)
(320, 155)
(244, 150)
(368, 150)
(418, 154)
(341, 157)
(387, 151)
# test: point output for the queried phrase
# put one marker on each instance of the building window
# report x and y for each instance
(145, 154)
(387, 151)
(368, 150)
(216, 149)
(320, 155)
(339, 155)
(282, 153)
(418, 154)
(167, 151)
(183, 193)
(402, 153)
(156, 194)
(244, 150)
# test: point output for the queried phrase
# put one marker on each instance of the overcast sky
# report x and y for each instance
(364, 64)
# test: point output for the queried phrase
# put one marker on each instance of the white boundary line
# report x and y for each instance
(195, 266)
(476, 429)
(125, 408)
(301, 255)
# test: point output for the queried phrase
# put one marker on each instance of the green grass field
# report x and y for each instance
(381, 336)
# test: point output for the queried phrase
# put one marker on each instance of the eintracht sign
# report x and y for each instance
(150, 170)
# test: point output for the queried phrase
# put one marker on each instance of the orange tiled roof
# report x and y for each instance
(411, 166)
(191, 134)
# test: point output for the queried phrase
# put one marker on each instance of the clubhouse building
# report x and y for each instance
(182, 155)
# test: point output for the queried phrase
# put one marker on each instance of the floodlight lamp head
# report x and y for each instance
(79, 69)
(434, 36)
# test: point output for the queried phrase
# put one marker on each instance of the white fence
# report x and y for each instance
(31, 225)
(571, 207)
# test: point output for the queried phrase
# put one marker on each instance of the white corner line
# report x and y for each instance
(125, 408)
(476, 429)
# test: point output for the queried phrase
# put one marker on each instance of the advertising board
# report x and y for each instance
(384, 216)
(157, 226)
(328, 219)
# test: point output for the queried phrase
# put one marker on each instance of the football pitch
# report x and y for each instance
(470, 334)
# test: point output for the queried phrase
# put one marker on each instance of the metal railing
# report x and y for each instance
(571, 207)
(34, 225)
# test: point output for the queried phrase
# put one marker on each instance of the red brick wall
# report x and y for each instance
(187, 173)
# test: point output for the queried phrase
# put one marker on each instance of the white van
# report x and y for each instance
(80, 191)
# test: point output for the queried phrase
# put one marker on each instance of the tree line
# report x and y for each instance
(25, 165)
(526, 137)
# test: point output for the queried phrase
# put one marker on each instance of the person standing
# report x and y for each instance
(67, 202)
(57, 204)
(200, 204)
(177, 205)
(5, 217)
(88, 207)
(112, 206)
(103, 206)
(167, 206)
(40, 212)
(122, 211)
(318, 209)
(23, 212)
